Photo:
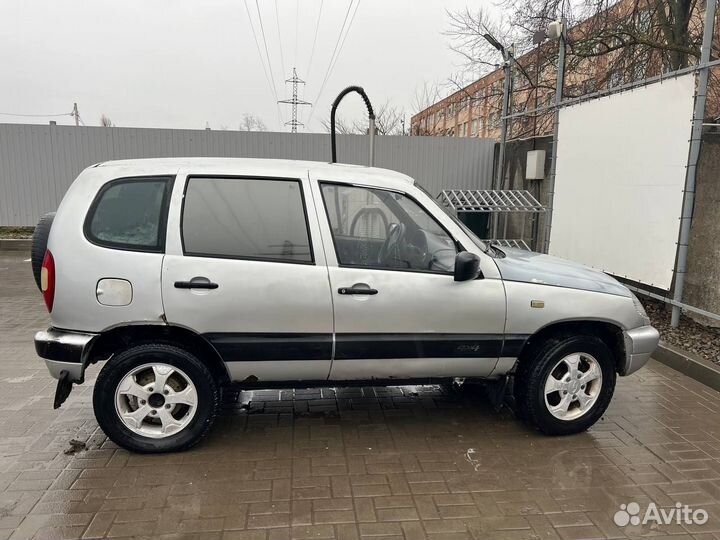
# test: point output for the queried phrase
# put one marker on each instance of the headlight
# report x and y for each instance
(640, 310)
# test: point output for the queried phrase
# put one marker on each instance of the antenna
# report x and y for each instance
(294, 123)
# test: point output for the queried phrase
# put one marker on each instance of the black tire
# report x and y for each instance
(208, 395)
(39, 244)
(529, 384)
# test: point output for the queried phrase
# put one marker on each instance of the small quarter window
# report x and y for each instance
(130, 213)
(246, 218)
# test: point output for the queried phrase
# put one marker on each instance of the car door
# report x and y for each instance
(398, 311)
(245, 269)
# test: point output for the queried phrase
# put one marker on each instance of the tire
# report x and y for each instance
(39, 244)
(188, 424)
(554, 358)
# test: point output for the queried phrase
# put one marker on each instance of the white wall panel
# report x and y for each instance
(619, 183)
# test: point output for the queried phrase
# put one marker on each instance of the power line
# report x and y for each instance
(267, 53)
(336, 52)
(277, 19)
(312, 51)
(297, 27)
(257, 45)
(268, 79)
(332, 67)
(35, 115)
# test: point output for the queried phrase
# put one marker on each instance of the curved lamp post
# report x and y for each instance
(371, 118)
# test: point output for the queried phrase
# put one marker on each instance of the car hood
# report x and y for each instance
(530, 267)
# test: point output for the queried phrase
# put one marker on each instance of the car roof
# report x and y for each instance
(260, 167)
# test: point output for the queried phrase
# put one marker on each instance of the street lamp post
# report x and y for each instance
(556, 29)
(507, 76)
(507, 79)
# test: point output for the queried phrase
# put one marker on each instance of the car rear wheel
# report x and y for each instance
(155, 398)
(566, 384)
(39, 245)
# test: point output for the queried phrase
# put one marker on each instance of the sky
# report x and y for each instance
(193, 63)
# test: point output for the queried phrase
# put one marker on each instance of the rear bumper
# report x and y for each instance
(63, 351)
(640, 343)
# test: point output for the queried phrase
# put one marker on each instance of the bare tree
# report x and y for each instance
(426, 95)
(341, 127)
(105, 121)
(631, 36)
(250, 122)
(389, 120)
(610, 42)
(466, 32)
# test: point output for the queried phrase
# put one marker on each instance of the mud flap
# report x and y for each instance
(497, 391)
(64, 387)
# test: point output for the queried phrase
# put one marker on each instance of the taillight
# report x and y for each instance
(47, 280)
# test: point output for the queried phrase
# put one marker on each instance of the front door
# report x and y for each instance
(245, 268)
(398, 311)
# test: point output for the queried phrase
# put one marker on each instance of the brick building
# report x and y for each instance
(475, 110)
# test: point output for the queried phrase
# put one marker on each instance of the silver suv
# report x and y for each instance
(188, 274)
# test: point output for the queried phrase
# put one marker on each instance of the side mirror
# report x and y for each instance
(467, 266)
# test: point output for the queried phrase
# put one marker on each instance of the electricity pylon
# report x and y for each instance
(294, 122)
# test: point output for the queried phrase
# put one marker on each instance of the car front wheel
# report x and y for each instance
(566, 384)
(155, 398)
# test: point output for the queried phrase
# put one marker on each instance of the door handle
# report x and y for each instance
(357, 290)
(196, 285)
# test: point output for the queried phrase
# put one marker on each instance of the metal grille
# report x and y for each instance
(508, 243)
(487, 200)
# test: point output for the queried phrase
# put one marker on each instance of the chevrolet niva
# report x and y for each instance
(188, 274)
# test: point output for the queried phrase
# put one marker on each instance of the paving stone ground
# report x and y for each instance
(371, 463)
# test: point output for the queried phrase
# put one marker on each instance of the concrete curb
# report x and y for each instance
(15, 245)
(688, 364)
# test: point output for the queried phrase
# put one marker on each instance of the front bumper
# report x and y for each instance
(640, 343)
(63, 351)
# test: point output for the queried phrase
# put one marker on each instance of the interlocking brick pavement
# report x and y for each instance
(347, 463)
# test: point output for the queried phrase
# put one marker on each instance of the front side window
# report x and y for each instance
(130, 213)
(246, 218)
(375, 228)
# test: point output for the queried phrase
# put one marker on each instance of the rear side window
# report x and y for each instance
(130, 213)
(246, 218)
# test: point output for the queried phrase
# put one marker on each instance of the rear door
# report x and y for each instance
(245, 268)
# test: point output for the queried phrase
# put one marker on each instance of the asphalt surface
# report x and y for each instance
(400, 462)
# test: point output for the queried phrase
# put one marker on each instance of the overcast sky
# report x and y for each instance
(182, 63)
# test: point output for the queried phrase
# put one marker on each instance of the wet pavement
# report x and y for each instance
(375, 463)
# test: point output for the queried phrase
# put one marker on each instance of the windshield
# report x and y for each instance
(479, 243)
